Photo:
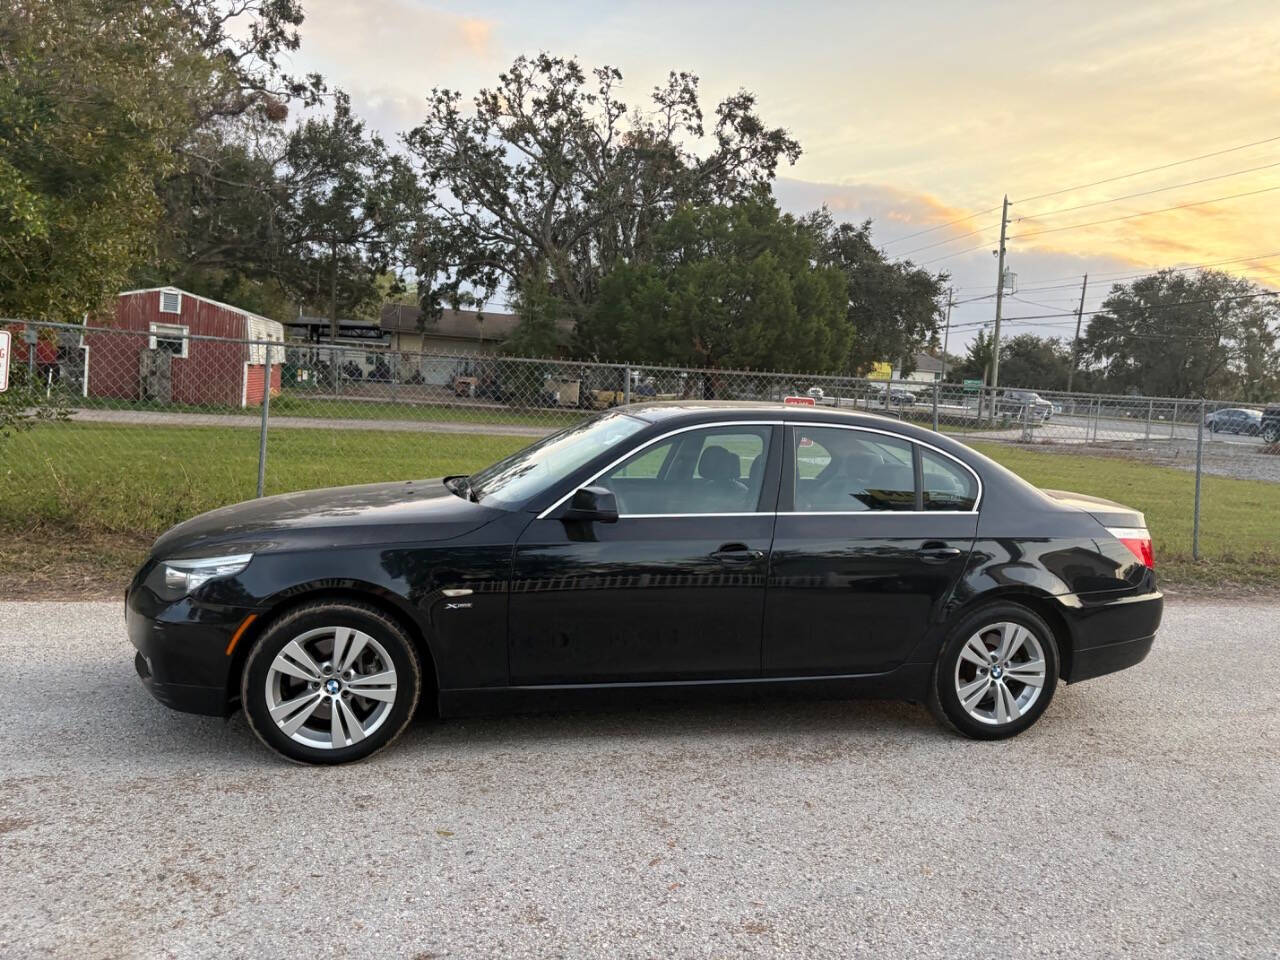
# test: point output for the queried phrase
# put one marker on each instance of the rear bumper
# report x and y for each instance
(1110, 632)
(1094, 662)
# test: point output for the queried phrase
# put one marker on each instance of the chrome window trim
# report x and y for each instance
(648, 443)
(876, 513)
(977, 501)
(662, 516)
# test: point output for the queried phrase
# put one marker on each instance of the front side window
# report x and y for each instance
(552, 459)
(851, 471)
(714, 470)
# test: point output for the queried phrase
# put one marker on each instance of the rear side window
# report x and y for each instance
(851, 471)
(945, 485)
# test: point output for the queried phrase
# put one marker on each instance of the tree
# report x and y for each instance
(1179, 334)
(551, 175)
(1040, 363)
(893, 308)
(540, 310)
(726, 286)
(347, 198)
(977, 361)
(87, 124)
(104, 107)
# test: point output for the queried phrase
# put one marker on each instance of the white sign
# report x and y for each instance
(6, 338)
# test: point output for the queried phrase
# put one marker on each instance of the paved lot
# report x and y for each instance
(1138, 819)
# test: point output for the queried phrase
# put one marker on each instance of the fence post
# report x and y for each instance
(1151, 410)
(266, 412)
(1026, 421)
(1173, 422)
(626, 385)
(887, 405)
(1097, 415)
(935, 406)
(1195, 519)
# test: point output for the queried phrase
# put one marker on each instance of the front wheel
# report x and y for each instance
(996, 674)
(331, 682)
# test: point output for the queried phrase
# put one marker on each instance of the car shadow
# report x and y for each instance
(691, 723)
(62, 729)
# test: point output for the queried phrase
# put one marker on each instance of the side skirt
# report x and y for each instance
(907, 682)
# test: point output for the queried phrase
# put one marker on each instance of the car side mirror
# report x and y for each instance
(593, 504)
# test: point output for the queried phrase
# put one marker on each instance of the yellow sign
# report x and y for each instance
(880, 371)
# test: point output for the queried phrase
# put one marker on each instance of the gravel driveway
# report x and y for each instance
(1139, 818)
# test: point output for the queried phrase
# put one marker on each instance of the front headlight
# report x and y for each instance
(185, 575)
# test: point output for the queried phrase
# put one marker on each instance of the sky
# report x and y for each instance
(917, 114)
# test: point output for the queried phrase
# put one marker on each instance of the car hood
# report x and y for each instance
(413, 510)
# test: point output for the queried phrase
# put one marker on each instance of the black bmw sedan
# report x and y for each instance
(662, 549)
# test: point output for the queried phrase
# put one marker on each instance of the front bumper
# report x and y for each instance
(182, 657)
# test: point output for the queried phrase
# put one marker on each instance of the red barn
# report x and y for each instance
(154, 351)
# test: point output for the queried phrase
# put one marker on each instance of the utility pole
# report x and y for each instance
(946, 337)
(1075, 344)
(995, 338)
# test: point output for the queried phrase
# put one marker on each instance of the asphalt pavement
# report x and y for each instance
(1139, 818)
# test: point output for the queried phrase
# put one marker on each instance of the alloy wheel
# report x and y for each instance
(331, 687)
(1000, 673)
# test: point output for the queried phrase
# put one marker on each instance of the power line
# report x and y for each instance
(1136, 173)
(1145, 213)
(1046, 306)
(943, 242)
(1118, 275)
(981, 246)
(1154, 306)
(920, 233)
(1146, 193)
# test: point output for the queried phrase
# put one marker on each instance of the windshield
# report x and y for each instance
(533, 469)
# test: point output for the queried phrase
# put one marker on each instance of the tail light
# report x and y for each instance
(1138, 540)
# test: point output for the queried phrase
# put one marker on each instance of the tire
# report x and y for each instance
(1271, 433)
(991, 716)
(324, 714)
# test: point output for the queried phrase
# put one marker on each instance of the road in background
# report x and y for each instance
(1138, 819)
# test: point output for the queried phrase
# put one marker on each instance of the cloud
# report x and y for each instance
(389, 53)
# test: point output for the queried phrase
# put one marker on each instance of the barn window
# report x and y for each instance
(169, 337)
(170, 301)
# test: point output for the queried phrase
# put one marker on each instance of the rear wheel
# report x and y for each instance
(1271, 432)
(997, 672)
(331, 682)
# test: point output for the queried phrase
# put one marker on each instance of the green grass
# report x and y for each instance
(76, 487)
(304, 403)
(143, 479)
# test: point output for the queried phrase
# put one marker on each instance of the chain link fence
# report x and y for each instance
(146, 427)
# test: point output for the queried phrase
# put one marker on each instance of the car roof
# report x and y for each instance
(682, 412)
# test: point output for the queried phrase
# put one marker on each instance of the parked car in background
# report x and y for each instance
(1235, 420)
(1020, 404)
(1270, 425)
(629, 556)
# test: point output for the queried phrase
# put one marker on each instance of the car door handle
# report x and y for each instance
(736, 553)
(937, 553)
